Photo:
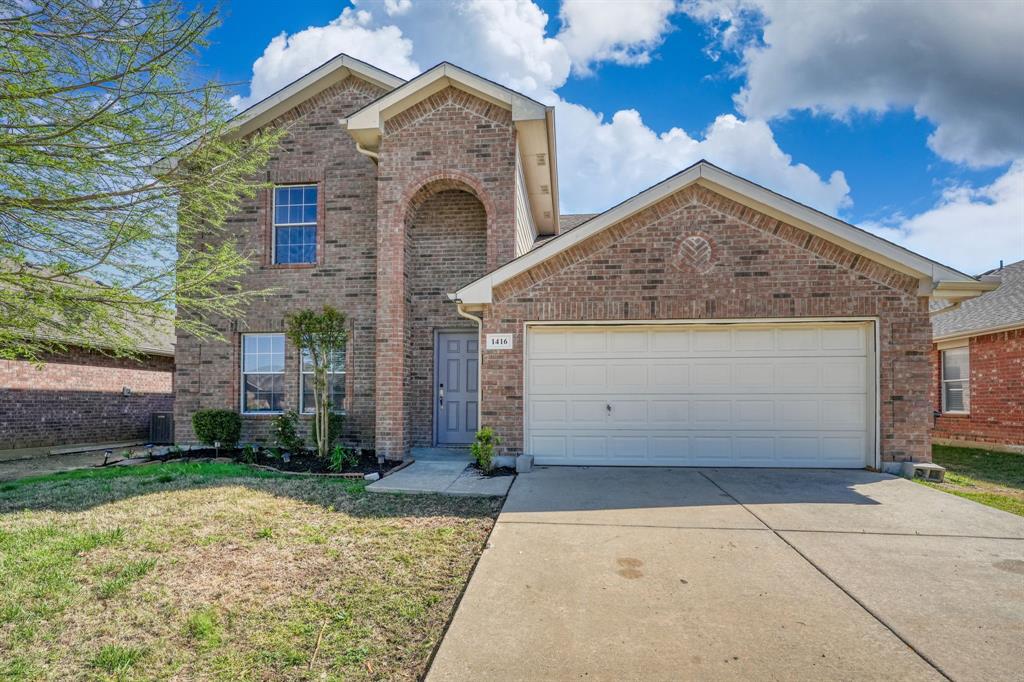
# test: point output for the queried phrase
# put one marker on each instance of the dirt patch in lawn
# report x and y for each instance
(216, 572)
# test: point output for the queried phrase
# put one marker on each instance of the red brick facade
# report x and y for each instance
(996, 392)
(446, 242)
(450, 141)
(315, 149)
(763, 269)
(395, 239)
(438, 211)
(78, 397)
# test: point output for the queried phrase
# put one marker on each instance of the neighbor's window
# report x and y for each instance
(335, 382)
(295, 217)
(956, 387)
(262, 372)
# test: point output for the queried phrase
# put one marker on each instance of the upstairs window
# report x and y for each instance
(335, 383)
(956, 385)
(262, 373)
(295, 219)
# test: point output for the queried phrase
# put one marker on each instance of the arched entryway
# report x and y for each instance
(445, 247)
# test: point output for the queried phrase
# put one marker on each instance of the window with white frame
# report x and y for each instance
(262, 373)
(335, 382)
(956, 385)
(295, 219)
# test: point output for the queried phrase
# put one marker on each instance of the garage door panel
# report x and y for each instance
(701, 448)
(628, 376)
(733, 396)
(670, 412)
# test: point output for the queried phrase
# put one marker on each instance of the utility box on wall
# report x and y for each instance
(161, 428)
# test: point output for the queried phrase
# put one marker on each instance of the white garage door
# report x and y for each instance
(783, 395)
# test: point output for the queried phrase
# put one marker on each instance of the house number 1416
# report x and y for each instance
(499, 341)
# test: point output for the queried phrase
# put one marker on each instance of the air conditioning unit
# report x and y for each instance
(161, 428)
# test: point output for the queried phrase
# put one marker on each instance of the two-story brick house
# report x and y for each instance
(706, 320)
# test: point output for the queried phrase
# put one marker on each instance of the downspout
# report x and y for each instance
(366, 152)
(480, 347)
(343, 122)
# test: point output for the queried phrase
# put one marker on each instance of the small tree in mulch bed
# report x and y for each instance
(322, 336)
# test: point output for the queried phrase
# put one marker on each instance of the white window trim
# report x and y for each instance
(274, 224)
(302, 392)
(943, 380)
(242, 374)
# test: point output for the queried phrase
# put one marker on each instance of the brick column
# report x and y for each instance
(391, 321)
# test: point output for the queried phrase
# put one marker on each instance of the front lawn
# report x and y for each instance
(217, 571)
(992, 478)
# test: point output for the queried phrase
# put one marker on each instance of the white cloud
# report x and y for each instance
(602, 161)
(955, 63)
(970, 228)
(613, 31)
(287, 58)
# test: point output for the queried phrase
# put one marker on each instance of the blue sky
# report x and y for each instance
(904, 118)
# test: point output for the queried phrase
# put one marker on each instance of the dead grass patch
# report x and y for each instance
(228, 577)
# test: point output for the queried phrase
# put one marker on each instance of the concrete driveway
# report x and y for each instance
(673, 574)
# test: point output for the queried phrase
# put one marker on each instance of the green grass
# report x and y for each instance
(991, 478)
(219, 571)
(117, 661)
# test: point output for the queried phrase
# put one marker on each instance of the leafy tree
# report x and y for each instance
(96, 246)
(323, 337)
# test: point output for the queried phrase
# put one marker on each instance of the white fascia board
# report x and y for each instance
(319, 79)
(371, 117)
(315, 81)
(759, 198)
(474, 292)
(984, 331)
(834, 230)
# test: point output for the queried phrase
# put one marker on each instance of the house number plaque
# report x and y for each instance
(499, 342)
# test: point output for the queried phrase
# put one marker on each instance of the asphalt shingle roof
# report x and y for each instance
(998, 308)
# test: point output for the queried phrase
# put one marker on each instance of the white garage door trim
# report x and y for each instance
(871, 386)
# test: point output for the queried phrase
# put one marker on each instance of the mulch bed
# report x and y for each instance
(300, 463)
(496, 471)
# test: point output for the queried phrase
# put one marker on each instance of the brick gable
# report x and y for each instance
(762, 269)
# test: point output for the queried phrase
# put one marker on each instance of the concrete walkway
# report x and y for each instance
(739, 574)
(444, 472)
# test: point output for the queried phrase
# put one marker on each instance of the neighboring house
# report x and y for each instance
(978, 359)
(81, 396)
(705, 321)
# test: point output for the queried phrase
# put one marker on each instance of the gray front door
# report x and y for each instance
(455, 392)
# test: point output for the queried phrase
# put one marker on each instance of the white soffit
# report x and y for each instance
(935, 278)
(367, 124)
(298, 91)
(313, 83)
(534, 129)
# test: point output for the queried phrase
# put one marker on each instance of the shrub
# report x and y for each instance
(342, 458)
(483, 447)
(212, 426)
(284, 428)
(249, 454)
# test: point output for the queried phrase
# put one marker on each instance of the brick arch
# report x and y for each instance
(422, 188)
